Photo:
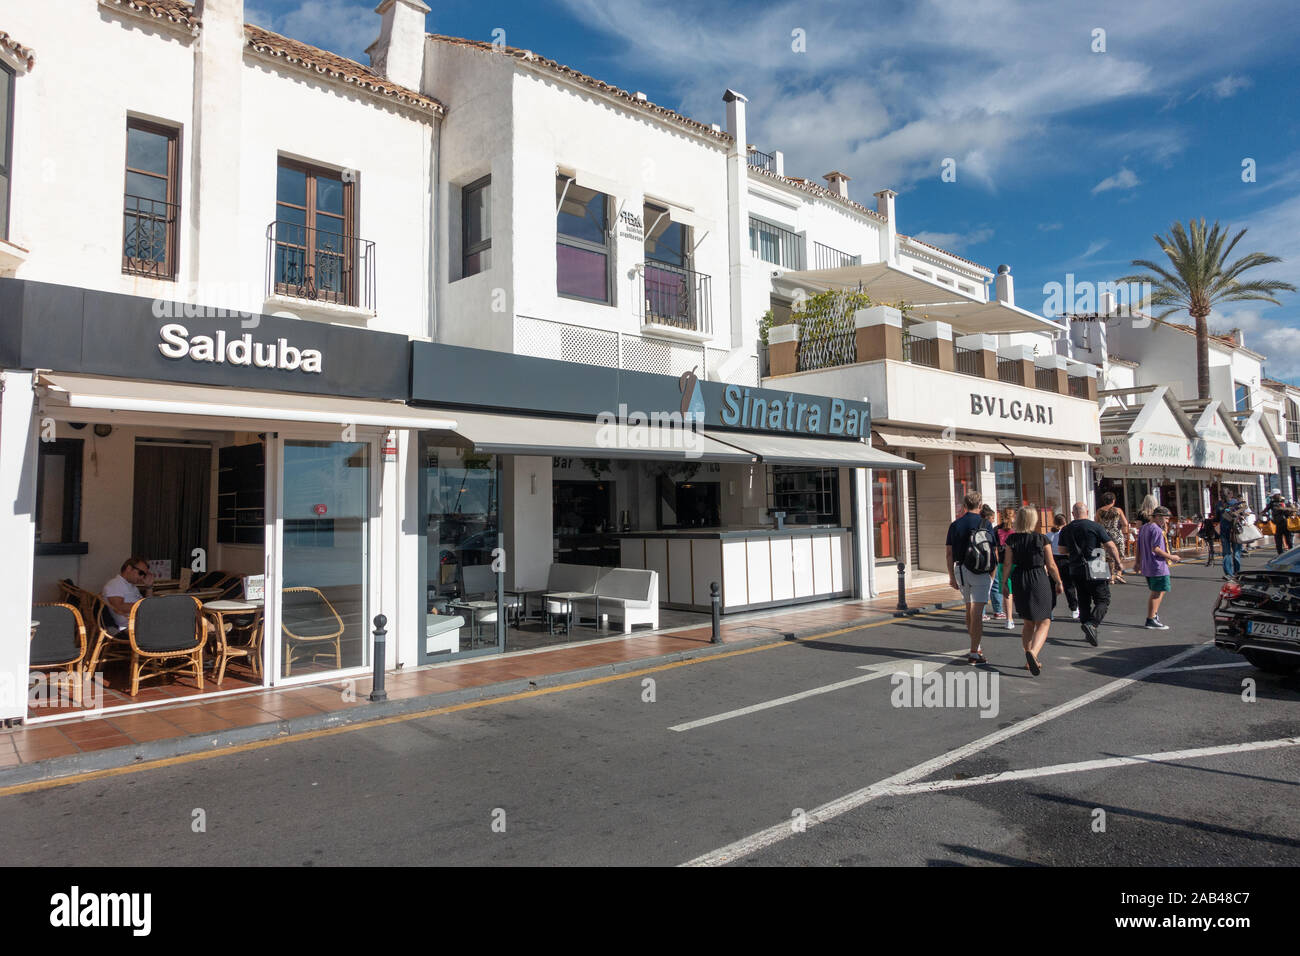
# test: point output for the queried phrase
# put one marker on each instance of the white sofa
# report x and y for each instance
(442, 634)
(627, 595)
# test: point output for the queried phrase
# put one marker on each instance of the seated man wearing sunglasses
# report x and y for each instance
(123, 590)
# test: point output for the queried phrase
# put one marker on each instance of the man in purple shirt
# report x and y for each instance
(1153, 560)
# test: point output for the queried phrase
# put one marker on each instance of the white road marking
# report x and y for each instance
(829, 811)
(1205, 667)
(1167, 756)
(877, 671)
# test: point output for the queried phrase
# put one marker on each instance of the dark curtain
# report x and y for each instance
(170, 515)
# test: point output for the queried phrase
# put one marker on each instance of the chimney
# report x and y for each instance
(838, 183)
(1005, 289)
(1106, 304)
(736, 119)
(888, 235)
(217, 122)
(1239, 337)
(398, 53)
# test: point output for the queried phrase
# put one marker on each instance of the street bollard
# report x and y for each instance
(377, 692)
(902, 586)
(715, 598)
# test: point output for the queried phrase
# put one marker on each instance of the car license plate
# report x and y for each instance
(1285, 632)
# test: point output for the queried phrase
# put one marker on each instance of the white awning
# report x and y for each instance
(928, 300)
(522, 435)
(791, 450)
(122, 395)
(1047, 452)
(932, 442)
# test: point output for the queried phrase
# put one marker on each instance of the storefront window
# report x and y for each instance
(326, 556)
(1006, 478)
(808, 496)
(965, 479)
(1189, 499)
(1135, 490)
(1053, 502)
(885, 515)
(459, 517)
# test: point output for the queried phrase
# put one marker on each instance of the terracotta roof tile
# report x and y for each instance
(953, 255)
(17, 49)
(528, 56)
(331, 64)
(808, 186)
(176, 11)
(304, 56)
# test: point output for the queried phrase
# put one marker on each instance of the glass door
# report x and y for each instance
(325, 552)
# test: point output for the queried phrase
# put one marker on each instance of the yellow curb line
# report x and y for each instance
(252, 745)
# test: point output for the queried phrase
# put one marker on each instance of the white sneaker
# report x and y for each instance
(1011, 625)
(1155, 625)
(1075, 614)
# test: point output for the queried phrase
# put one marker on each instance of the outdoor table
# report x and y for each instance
(217, 610)
(523, 594)
(568, 597)
(473, 608)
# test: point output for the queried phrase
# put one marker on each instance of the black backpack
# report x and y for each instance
(978, 558)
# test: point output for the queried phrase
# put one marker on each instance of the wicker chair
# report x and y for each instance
(60, 642)
(311, 626)
(226, 651)
(162, 630)
(106, 641)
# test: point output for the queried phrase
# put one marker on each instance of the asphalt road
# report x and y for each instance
(598, 775)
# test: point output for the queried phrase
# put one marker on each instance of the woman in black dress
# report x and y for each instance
(1035, 580)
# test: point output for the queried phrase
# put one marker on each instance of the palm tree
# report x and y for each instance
(1199, 277)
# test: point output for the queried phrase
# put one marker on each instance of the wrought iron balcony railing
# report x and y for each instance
(968, 361)
(1078, 386)
(675, 297)
(920, 351)
(149, 243)
(824, 257)
(839, 348)
(308, 263)
(773, 244)
(1011, 371)
(1045, 378)
(762, 160)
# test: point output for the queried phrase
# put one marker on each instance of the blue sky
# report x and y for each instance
(1068, 159)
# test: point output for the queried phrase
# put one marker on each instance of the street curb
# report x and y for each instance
(72, 765)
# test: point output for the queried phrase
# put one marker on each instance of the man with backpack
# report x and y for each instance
(1086, 543)
(1232, 517)
(971, 548)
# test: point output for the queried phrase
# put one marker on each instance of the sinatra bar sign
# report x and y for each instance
(240, 350)
(741, 410)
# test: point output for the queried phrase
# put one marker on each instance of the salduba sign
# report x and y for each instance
(177, 343)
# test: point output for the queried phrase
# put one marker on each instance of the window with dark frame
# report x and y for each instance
(151, 211)
(58, 497)
(7, 76)
(582, 255)
(315, 250)
(476, 227)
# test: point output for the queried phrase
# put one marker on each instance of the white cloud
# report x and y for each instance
(956, 241)
(936, 78)
(1124, 179)
(1050, 226)
(1230, 85)
(1094, 247)
(342, 26)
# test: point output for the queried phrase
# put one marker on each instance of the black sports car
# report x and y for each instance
(1258, 615)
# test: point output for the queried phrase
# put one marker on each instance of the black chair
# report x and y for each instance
(167, 637)
(59, 642)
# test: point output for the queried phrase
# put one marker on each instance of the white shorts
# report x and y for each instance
(975, 588)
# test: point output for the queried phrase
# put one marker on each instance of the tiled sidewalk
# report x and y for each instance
(175, 720)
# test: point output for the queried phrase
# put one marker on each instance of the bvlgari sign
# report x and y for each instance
(177, 343)
(1015, 410)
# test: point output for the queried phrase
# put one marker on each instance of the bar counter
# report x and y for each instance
(755, 567)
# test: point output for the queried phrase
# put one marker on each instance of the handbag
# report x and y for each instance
(1249, 532)
(1266, 527)
(1293, 523)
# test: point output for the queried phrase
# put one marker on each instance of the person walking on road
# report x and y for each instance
(1111, 517)
(1280, 512)
(971, 555)
(1232, 515)
(1153, 560)
(1059, 552)
(1035, 577)
(995, 595)
(1089, 551)
(1210, 532)
(1006, 528)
